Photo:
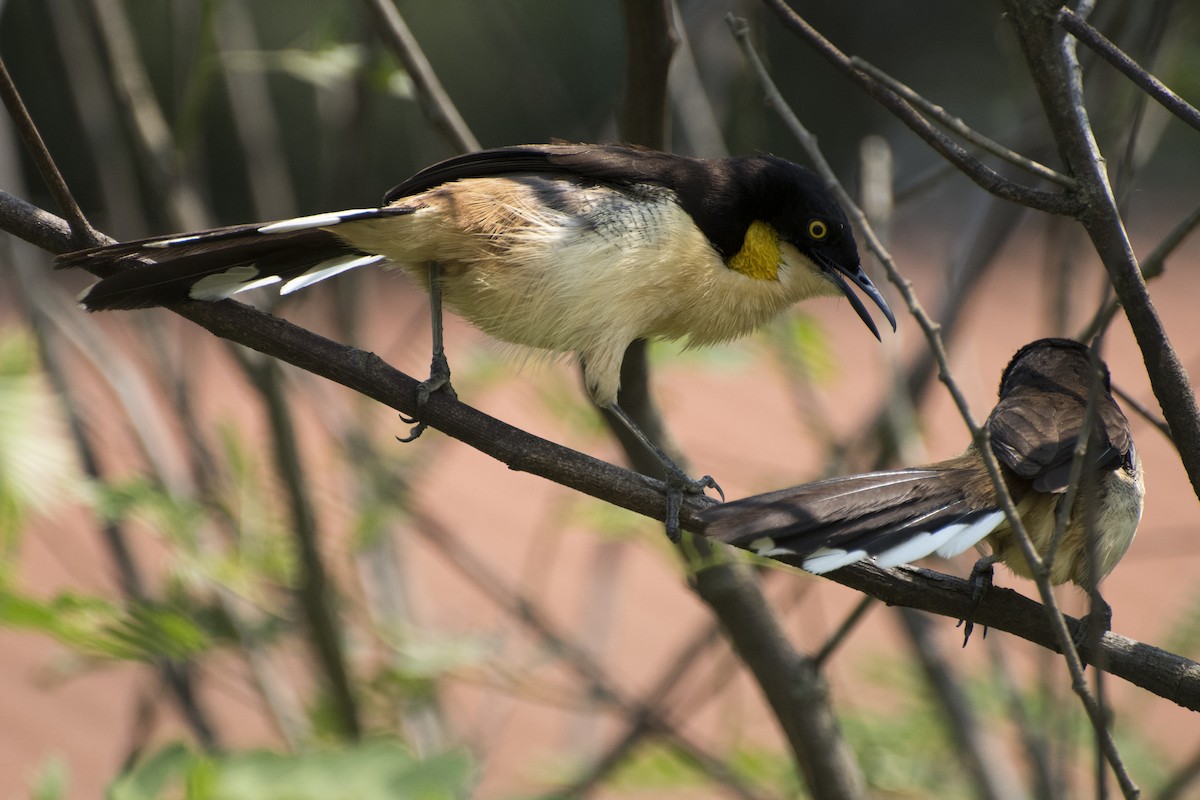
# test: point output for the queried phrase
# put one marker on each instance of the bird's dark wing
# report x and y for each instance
(1035, 432)
(607, 163)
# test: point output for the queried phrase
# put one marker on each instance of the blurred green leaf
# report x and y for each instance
(655, 767)
(333, 67)
(50, 782)
(379, 769)
(150, 776)
(1185, 632)
(38, 469)
(101, 629)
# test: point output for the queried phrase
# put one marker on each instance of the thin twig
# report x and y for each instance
(1144, 411)
(1152, 267)
(973, 168)
(856, 615)
(84, 234)
(957, 125)
(1084, 32)
(434, 99)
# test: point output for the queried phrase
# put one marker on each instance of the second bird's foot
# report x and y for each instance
(438, 381)
(1093, 626)
(981, 581)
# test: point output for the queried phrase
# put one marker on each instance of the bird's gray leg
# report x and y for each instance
(439, 367)
(677, 480)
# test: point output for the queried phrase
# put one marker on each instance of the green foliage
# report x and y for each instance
(655, 767)
(375, 769)
(50, 782)
(37, 465)
(773, 772)
(100, 629)
(1185, 632)
(906, 752)
(802, 346)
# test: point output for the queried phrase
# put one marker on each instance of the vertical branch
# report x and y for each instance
(1056, 75)
(315, 591)
(793, 686)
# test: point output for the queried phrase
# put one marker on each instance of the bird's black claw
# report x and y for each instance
(981, 581)
(707, 482)
(438, 381)
(417, 429)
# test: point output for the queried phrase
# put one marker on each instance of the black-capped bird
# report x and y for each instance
(902, 515)
(578, 249)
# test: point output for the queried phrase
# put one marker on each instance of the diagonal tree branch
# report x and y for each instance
(956, 124)
(1078, 27)
(1158, 671)
(973, 168)
(434, 99)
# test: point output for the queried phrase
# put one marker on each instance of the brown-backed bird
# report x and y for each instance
(897, 516)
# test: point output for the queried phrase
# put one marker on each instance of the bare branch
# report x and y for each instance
(961, 128)
(1084, 32)
(85, 234)
(1165, 674)
(1152, 266)
(434, 99)
(973, 168)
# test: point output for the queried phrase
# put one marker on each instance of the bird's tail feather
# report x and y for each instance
(214, 264)
(895, 516)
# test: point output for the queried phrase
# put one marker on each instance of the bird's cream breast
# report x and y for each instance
(569, 267)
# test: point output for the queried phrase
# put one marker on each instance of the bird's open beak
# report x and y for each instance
(856, 274)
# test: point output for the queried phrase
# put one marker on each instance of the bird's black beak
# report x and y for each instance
(856, 274)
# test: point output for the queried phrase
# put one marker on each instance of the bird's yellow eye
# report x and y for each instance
(818, 229)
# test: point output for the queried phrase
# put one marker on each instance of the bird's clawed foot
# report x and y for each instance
(679, 484)
(1093, 626)
(981, 581)
(438, 381)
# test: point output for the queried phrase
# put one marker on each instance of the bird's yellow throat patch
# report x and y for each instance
(759, 256)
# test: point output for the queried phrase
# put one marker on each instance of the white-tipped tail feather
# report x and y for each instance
(327, 269)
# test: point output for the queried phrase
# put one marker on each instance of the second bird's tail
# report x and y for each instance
(895, 516)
